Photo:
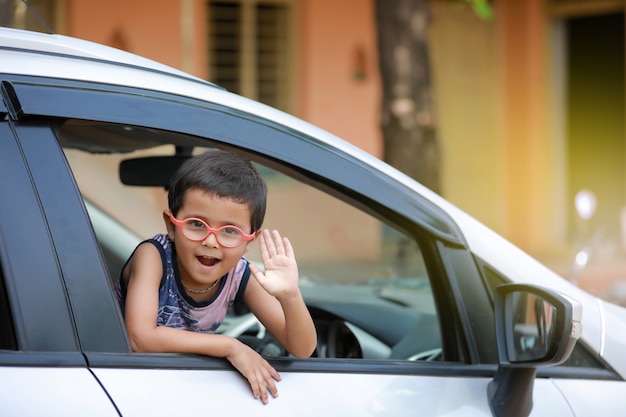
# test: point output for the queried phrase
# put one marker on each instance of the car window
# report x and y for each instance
(364, 281)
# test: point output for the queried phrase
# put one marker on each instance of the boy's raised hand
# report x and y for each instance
(281, 270)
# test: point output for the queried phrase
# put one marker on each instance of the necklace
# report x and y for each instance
(202, 291)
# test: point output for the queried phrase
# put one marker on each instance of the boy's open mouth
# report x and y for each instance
(208, 261)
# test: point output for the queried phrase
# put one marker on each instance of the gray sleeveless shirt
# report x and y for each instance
(176, 308)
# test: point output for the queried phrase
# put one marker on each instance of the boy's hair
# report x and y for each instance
(225, 175)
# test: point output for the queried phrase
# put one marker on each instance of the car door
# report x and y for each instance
(42, 369)
(364, 206)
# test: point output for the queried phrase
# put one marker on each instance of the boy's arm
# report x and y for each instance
(142, 304)
(275, 298)
(288, 319)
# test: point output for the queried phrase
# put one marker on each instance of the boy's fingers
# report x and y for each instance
(280, 244)
(270, 386)
(288, 247)
(258, 389)
(262, 381)
(263, 246)
(269, 243)
(264, 397)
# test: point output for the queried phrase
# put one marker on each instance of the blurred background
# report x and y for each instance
(512, 110)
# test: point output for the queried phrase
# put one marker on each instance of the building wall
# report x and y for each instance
(151, 29)
(464, 55)
(528, 149)
(339, 87)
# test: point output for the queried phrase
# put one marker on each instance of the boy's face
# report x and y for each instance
(202, 263)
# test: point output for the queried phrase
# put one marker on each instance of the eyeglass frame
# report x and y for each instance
(210, 230)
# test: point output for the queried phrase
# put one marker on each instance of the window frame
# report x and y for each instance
(33, 288)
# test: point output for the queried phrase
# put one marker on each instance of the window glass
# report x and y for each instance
(364, 282)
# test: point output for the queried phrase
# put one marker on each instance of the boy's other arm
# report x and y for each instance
(275, 298)
(287, 319)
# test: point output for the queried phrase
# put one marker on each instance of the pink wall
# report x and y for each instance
(151, 29)
(330, 35)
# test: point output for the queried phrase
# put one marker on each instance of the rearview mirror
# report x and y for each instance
(155, 171)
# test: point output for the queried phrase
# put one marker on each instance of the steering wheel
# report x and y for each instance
(249, 330)
(341, 342)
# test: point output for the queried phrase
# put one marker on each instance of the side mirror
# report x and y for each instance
(534, 327)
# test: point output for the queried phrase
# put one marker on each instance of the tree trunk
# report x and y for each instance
(407, 108)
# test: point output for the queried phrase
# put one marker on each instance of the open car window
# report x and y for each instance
(364, 281)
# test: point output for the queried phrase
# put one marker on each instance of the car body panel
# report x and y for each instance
(583, 404)
(312, 394)
(47, 391)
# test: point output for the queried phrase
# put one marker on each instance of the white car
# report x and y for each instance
(419, 309)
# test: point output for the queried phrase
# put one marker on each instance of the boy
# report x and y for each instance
(186, 279)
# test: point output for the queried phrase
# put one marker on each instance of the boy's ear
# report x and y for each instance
(168, 224)
(251, 242)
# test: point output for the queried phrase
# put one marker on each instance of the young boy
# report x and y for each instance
(175, 288)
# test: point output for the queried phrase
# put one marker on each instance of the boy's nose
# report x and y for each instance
(211, 241)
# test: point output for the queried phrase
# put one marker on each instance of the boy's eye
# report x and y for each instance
(196, 224)
(230, 230)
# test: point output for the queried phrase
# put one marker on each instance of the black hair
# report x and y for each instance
(225, 175)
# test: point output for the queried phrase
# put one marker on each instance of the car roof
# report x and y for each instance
(62, 57)
(60, 45)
